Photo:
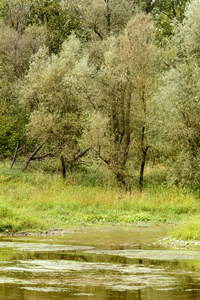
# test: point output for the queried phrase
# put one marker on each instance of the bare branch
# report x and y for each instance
(43, 156)
(82, 153)
(16, 150)
(96, 31)
(32, 155)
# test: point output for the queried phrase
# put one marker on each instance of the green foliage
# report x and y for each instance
(15, 13)
(15, 51)
(168, 14)
(12, 118)
(12, 127)
(101, 19)
(190, 31)
(124, 84)
(60, 21)
(55, 103)
(182, 126)
(179, 104)
(92, 67)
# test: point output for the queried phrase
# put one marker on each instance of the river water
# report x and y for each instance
(121, 263)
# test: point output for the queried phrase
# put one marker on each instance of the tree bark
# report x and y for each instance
(144, 155)
(143, 147)
(63, 166)
(123, 183)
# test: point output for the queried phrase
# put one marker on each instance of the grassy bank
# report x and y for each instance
(40, 201)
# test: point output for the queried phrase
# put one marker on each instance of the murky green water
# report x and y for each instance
(97, 264)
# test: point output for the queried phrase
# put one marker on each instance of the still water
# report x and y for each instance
(97, 264)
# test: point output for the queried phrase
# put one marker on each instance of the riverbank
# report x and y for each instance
(41, 202)
(114, 236)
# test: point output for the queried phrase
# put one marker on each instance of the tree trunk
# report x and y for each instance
(108, 16)
(123, 183)
(144, 149)
(63, 166)
(144, 155)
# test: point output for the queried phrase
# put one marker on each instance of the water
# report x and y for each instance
(97, 264)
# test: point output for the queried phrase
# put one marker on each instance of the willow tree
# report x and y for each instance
(179, 103)
(125, 81)
(102, 18)
(51, 95)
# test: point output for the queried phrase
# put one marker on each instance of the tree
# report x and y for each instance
(51, 94)
(190, 32)
(15, 13)
(60, 20)
(179, 103)
(178, 100)
(18, 43)
(103, 18)
(12, 118)
(16, 49)
(125, 80)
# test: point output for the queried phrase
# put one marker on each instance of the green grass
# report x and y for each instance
(188, 230)
(40, 201)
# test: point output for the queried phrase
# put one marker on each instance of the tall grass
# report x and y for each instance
(188, 230)
(41, 201)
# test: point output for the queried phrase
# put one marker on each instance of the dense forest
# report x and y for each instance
(105, 86)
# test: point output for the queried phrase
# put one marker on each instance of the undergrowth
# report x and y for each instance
(40, 201)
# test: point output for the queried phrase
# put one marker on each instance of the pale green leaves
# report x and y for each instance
(191, 28)
(51, 93)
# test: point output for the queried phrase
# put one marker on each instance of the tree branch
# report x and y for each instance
(96, 31)
(43, 156)
(82, 153)
(150, 8)
(32, 155)
(16, 150)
